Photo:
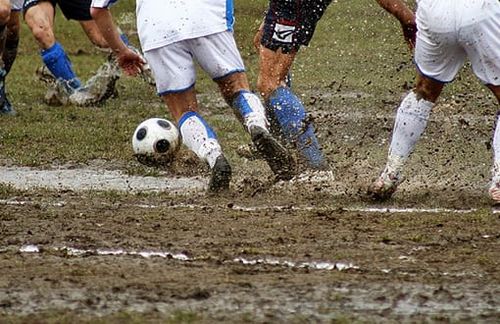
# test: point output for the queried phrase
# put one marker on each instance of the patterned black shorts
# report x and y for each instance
(71, 9)
(290, 24)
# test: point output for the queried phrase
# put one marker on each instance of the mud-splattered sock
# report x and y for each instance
(58, 63)
(251, 109)
(411, 121)
(288, 112)
(199, 137)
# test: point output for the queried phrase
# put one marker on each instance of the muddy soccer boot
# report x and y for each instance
(494, 190)
(275, 154)
(221, 176)
(5, 105)
(58, 91)
(384, 186)
(7, 109)
(99, 87)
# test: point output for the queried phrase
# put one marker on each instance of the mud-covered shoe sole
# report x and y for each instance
(221, 176)
(7, 109)
(377, 192)
(494, 193)
(275, 154)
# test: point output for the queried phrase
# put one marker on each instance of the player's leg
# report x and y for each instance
(175, 77)
(5, 10)
(438, 58)
(284, 30)
(12, 40)
(102, 84)
(250, 110)
(199, 137)
(218, 55)
(39, 16)
(482, 44)
(9, 53)
(410, 123)
(494, 189)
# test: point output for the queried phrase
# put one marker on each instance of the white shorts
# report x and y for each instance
(16, 5)
(174, 68)
(449, 31)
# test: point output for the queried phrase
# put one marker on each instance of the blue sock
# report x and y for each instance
(240, 103)
(58, 63)
(290, 115)
(124, 38)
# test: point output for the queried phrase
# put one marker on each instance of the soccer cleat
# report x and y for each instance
(98, 88)
(494, 190)
(221, 176)
(5, 105)
(385, 186)
(43, 74)
(7, 109)
(275, 154)
(249, 151)
(58, 91)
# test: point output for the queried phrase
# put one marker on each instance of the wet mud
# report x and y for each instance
(243, 254)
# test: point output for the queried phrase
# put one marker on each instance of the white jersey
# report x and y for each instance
(163, 22)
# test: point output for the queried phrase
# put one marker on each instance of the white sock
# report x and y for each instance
(394, 165)
(410, 123)
(251, 109)
(496, 148)
(199, 137)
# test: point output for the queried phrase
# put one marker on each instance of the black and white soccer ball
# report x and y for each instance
(155, 141)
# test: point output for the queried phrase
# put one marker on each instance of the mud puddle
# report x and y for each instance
(82, 179)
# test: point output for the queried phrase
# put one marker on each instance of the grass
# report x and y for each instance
(379, 64)
(357, 48)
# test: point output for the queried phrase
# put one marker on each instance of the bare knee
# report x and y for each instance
(41, 29)
(4, 12)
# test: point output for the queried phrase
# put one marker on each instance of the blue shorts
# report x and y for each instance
(290, 24)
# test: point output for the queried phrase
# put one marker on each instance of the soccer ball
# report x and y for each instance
(155, 141)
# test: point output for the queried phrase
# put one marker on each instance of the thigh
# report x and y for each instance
(438, 56)
(482, 44)
(173, 68)
(40, 19)
(217, 54)
(76, 9)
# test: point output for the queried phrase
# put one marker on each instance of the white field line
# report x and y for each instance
(340, 266)
(380, 210)
(312, 265)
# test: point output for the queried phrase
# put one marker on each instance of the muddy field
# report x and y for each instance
(314, 249)
(87, 234)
